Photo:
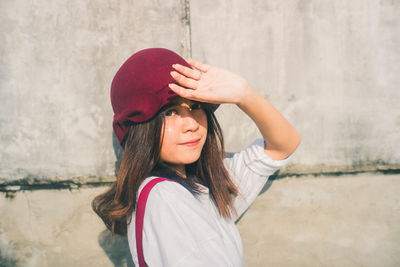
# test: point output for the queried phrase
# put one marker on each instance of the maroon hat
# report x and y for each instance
(140, 87)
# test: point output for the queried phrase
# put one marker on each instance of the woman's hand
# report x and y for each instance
(209, 84)
(215, 85)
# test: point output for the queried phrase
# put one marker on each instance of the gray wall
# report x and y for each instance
(345, 221)
(58, 60)
(330, 67)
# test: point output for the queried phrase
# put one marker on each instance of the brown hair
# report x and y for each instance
(116, 205)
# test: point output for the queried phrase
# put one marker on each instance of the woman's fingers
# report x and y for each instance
(193, 94)
(184, 81)
(183, 92)
(200, 66)
(188, 72)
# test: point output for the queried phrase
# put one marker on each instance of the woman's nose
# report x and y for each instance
(189, 122)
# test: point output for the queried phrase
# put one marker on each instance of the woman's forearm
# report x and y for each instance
(281, 139)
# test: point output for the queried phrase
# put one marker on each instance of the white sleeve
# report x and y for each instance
(178, 231)
(249, 169)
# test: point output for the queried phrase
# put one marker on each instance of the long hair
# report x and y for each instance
(141, 157)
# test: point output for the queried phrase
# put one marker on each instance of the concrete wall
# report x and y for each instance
(343, 221)
(57, 63)
(330, 67)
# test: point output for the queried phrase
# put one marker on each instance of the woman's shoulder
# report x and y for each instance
(164, 196)
(161, 182)
(165, 191)
(169, 197)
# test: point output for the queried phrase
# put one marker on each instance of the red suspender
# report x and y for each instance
(141, 206)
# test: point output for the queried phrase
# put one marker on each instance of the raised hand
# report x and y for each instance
(215, 85)
(209, 84)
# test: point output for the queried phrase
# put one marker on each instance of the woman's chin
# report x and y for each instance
(184, 160)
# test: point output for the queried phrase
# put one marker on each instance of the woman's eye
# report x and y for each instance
(171, 112)
(196, 106)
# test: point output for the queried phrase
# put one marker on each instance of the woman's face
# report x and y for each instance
(185, 132)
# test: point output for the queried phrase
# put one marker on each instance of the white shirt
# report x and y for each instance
(181, 229)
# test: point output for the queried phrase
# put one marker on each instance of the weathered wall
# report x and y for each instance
(57, 63)
(331, 67)
(341, 221)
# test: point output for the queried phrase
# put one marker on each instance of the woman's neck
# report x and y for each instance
(179, 169)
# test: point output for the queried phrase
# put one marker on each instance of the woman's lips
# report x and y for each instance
(191, 143)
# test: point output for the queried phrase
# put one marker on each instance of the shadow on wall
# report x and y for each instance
(117, 151)
(116, 248)
(7, 251)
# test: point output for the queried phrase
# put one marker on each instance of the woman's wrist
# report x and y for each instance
(247, 98)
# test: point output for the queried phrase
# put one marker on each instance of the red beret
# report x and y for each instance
(140, 87)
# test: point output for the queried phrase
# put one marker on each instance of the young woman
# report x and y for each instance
(163, 117)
